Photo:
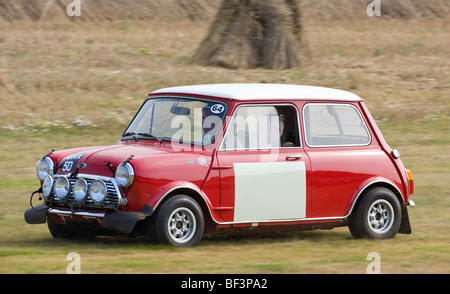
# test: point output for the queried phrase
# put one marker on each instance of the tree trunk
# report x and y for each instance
(253, 33)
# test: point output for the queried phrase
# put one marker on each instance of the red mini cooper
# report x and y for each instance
(213, 158)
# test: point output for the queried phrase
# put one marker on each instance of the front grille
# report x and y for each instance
(112, 199)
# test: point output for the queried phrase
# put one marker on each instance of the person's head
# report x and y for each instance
(208, 119)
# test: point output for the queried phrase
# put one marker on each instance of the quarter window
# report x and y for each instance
(334, 125)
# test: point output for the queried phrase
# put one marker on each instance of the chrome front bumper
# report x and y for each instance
(84, 214)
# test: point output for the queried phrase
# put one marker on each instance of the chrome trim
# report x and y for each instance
(283, 220)
(343, 145)
(411, 203)
(103, 193)
(130, 171)
(76, 213)
(113, 191)
(51, 166)
(67, 186)
(395, 154)
(184, 96)
(220, 146)
(45, 187)
(85, 190)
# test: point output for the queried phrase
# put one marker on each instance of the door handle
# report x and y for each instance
(293, 157)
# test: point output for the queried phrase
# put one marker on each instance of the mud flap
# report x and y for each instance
(36, 214)
(405, 226)
(125, 221)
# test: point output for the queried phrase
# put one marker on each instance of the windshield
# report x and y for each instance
(180, 120)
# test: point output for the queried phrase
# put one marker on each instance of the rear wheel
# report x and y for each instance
(377, 216)
(178, 222)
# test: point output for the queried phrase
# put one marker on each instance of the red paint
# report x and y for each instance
(335, 176)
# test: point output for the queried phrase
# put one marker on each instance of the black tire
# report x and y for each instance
(58, 230)
(377, 216)
(179, 222)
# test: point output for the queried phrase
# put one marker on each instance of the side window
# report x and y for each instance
(262, 127)
(334, 125)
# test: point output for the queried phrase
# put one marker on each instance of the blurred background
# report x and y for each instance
(71, 81)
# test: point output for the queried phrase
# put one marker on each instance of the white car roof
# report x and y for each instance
(260, 91)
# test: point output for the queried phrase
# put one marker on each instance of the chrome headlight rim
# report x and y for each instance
(98, 193)
(61, 187)
(124, 175)
(80, 190)
(47, 187)
(44, 167)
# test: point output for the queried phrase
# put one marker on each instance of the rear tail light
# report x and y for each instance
(410, 181)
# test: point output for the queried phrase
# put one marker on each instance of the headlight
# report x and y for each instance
(61, 187)
(124, 175)
(98, 191)
(80, 189)
(47, 186)
(44, 167)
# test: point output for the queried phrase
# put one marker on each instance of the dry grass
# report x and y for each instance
(77, 84)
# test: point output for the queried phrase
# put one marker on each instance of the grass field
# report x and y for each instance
(69, 84)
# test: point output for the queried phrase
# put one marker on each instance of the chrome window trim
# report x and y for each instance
(337, 145)
(259, 105)
(154, 96)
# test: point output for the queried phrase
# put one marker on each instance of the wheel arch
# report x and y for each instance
(367, 186)
(193, 192)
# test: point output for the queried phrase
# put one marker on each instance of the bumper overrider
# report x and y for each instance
(70, 205)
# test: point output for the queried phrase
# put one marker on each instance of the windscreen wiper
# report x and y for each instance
(129, 134)
(136, 136)
(147, 135)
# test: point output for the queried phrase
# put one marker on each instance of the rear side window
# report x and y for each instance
(334, 125)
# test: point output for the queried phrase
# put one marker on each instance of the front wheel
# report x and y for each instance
(377, 216)
(179, 222)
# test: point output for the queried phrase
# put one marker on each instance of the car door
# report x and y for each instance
(342, 156)
(264, 171)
